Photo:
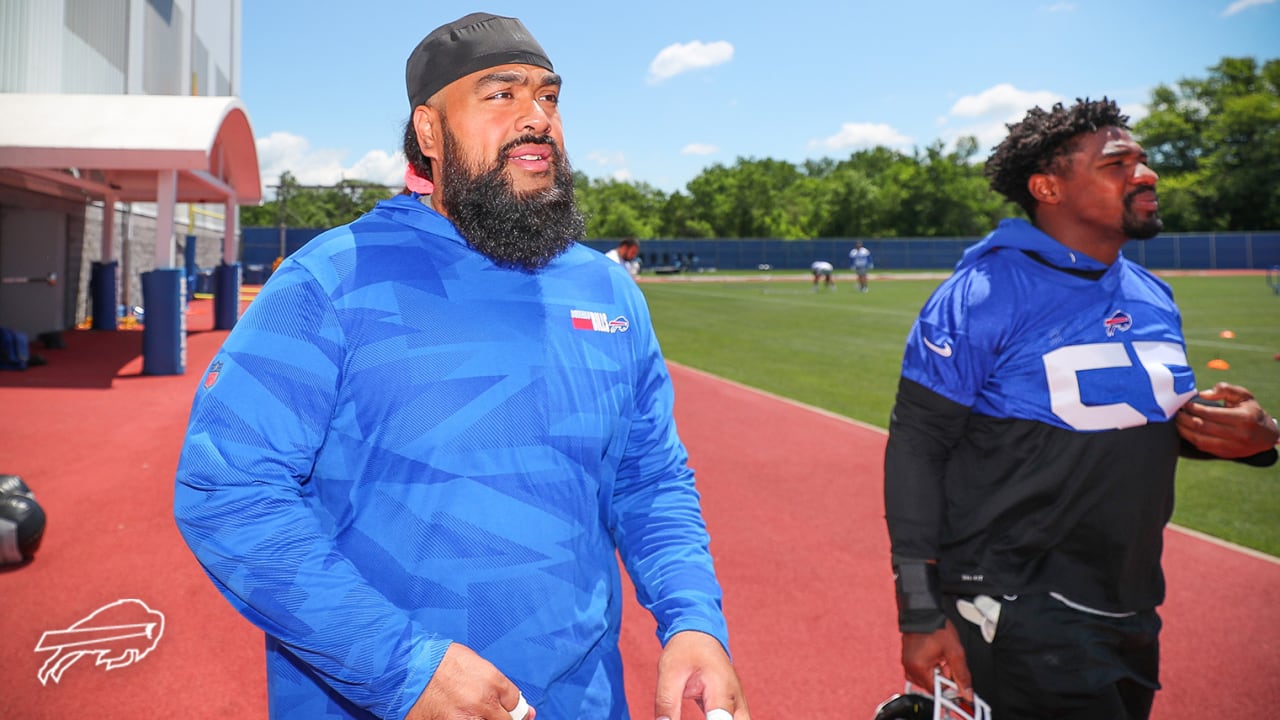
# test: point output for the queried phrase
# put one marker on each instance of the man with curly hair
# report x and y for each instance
(1043, 404)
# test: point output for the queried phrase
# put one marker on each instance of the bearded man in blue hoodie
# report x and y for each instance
(1043, 405)
(418, 457)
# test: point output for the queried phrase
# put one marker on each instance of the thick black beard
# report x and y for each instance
(523, 232)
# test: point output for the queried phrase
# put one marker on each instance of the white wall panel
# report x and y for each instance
(84, 70)
(30, 46)
(103, 26)
(164, 49)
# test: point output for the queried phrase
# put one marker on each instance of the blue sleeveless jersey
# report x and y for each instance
(402, 445)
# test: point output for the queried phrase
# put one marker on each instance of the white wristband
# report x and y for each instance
(521, 709)
(719, 714)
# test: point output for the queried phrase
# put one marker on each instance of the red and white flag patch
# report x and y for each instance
(598, 322)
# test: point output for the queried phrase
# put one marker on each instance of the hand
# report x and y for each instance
(694, 665)
(923, 652)
(465, 686)
(1239, 428)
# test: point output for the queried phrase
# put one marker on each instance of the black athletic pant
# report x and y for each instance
(1051, 662)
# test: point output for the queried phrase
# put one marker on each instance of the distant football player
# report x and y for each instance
(860, 262)
(823, 272)
(627, 254)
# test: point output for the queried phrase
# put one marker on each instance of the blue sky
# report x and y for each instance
(656, 91)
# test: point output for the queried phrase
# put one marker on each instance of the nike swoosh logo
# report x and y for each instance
(944, 350)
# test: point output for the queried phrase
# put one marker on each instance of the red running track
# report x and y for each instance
(791, 495)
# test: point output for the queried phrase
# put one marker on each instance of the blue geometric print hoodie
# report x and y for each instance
(402, 445)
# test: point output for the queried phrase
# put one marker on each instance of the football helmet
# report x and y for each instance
(905, 706)
(944, 704)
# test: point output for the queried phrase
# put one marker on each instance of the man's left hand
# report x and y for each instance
(1236, 429)
(694, 665)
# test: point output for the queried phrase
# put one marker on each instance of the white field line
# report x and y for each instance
(1225, 543)
(787, 400)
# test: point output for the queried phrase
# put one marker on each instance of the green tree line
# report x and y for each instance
(1215, 141)
(310, 206)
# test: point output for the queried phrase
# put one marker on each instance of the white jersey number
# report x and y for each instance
(1062, 365)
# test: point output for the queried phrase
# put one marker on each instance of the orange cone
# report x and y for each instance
(1219, 364)
(1226, 334)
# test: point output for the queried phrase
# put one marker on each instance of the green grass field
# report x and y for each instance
(841, 351)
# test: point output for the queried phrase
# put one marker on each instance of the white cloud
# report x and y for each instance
(606, 158)
(1240, 5)
(988, 134)
(1135, 111)
(699, 149)
(379, 167)
(1003, 100)
(613, 159)
(987, 114)
(675, 59)
(861, 136)
(283, 151)
(1060, 7)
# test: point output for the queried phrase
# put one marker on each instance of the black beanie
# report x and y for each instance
(464, 46)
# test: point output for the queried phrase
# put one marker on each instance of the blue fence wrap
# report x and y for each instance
(1170, 251)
